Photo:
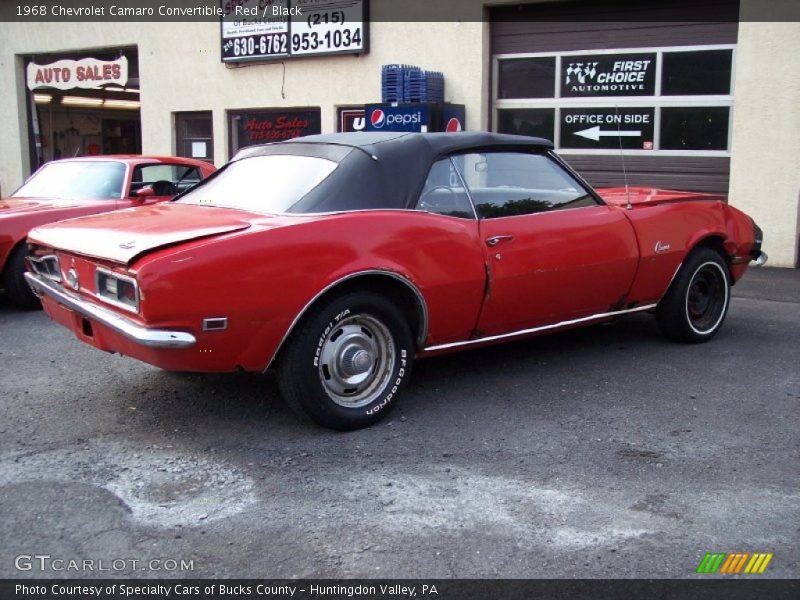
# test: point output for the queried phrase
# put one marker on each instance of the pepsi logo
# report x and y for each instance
(377, 118)
(453, 125)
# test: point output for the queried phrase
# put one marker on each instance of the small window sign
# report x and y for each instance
(607, 128)
(199, 150)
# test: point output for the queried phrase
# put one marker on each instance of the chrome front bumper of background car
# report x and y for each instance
(758, 257)
(759, 260)
(152, 338)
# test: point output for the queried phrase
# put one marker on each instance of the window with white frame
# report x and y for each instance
(668, 101)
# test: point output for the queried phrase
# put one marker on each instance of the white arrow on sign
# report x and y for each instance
(594, 133)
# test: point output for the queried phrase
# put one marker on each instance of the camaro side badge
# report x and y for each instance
(132, 243)
(661, 247)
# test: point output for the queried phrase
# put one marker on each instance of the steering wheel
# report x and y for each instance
(164, 187)
(428, 202)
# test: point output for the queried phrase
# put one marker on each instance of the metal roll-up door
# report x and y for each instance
(656, 78)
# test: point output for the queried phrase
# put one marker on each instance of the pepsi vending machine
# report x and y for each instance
(415, 117)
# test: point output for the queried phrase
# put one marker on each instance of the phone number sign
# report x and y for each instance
(277, 29)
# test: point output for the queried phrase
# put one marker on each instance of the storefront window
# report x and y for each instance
(668, 100)
(527, 78)
(604, 75)
(696, 73)
(263, 126)
(694, 128)
(194, 133)
(537, 122)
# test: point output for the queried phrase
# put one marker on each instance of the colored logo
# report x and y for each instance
(733, 563)
(378, 118)
(453, 125)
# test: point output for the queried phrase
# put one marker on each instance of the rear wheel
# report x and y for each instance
(347, 361)
(14, 282)
(694, 307)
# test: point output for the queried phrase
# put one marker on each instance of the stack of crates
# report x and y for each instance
(393, 82)
(407, 83)
(424, 86)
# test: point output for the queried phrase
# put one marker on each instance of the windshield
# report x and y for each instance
(74, 180)
(266, 184)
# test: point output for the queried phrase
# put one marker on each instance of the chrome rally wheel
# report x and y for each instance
(356, 360)
(347, 360)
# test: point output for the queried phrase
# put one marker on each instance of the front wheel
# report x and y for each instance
(347, 362)
(696, 303)
(15, 284)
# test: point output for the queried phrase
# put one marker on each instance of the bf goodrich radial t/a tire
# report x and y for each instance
(17, 288)
(694, 307)
(347, 361)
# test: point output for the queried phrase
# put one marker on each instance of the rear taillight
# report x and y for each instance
(118, 289)
(46, 266)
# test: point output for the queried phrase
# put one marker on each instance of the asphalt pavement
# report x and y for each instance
(601, 452)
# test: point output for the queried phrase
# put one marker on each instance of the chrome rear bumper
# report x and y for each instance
(152, 338)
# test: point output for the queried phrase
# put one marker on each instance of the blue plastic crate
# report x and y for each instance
(409, 83)
(393, 79)
(424, 86)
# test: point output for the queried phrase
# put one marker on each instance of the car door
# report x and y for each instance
(553, 252)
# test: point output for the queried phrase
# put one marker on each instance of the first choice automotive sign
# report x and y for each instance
(608, 75)
(278, 29)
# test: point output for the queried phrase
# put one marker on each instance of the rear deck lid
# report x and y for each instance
(123, 235)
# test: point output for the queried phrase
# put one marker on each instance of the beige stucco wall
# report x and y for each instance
(765, 161)
(180, 70)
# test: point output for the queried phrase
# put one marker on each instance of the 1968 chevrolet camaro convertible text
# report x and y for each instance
(339, 259)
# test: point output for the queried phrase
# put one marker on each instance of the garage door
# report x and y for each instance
(651, 80)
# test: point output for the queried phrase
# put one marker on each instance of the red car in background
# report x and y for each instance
(339, 259)
(75, 187)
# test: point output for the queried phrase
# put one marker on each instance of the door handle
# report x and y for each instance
(496, 239)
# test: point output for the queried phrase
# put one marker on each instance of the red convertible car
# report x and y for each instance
(83, 186)
(339, 259)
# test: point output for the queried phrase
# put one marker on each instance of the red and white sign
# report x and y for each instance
(453, 126)
(352, 119)
(86, 73)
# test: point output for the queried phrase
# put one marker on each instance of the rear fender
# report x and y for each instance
(732, 237)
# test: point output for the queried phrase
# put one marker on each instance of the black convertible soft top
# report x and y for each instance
(381, 170)
(435, 144)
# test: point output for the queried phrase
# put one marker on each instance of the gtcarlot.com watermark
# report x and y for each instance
(45, 563)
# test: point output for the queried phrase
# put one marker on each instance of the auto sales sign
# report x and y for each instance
(86, 73)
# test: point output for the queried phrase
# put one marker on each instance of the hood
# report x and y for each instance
(648, 196)
(9, 206)
(123, 235)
